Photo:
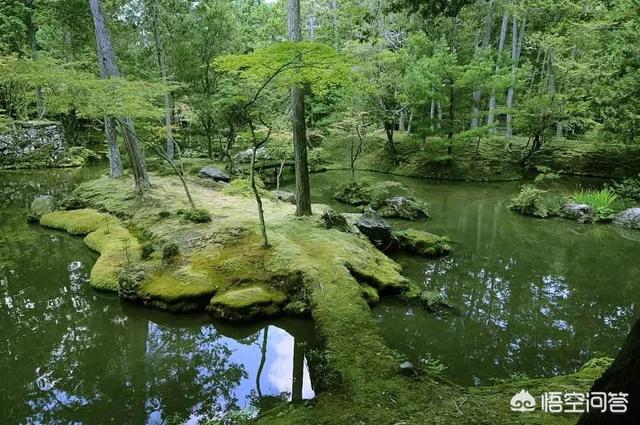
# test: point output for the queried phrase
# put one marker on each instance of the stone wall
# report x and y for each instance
(34, 144)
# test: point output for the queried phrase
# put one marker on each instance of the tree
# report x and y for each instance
(298, 121)
(109, 68)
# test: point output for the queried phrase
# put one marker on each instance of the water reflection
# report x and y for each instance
(69, 354)
(538, 297)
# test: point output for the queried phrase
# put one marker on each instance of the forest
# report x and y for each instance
(229, 212)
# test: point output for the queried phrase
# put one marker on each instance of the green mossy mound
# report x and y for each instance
(118, 248)
(247, 303)
(422, 243)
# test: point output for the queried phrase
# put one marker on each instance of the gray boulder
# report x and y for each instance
(214, 174)
(41, 205)
(376, 229)
(401, 207)
(629, 219)
(245, 155)
(285, 196)
(582, 212)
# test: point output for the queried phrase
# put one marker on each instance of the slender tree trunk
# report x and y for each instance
(334, 22)
(486, 42)
(303, 191)
(256, 193)
(162, 65)
(503, 36)
(518, 39)
(31, 33)
(109, 68)
(432, 114)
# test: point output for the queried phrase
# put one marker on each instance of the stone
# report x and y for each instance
(245, 155)
(376, 229)
(401, 207)
(422, 243)
(582, 212)
(334, 220)
(214, 174)
(41, 205)
(34, 144)
(407, 369)
(285, 196)
(629, 219)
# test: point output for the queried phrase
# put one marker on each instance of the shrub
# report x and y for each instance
(147, 251)
(170, 251)
(164, 214)
(353, 193)
(197, 216)
(382, 191)
(602, 201)
(530, 201)
(629, 188)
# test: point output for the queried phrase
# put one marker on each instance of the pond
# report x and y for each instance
(537, 297)
(69, 354)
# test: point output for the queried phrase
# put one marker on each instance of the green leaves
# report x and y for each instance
(65, 88)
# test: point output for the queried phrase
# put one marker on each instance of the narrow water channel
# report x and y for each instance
(69, 354)
(537, 297)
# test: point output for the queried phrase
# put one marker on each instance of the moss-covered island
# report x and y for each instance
(150, 253)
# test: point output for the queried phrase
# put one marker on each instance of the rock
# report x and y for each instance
(334, 220)
(422, 243)
(582, 212)
(435, 302)
(402, 207)
(214, 174)
(245, 155)
(376, 229)
(407, 369)
(41, 205)
(353, 194)
(629, 219)
(35, 144)
(285, 196)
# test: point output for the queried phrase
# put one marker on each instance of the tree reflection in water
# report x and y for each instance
(69, 354)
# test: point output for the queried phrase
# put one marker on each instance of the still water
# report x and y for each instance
(69, 354)
(537, 297)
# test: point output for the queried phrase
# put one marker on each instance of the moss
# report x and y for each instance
(199, 215)
(242, 187)
(76, 222)
(370, 294)
(247, 303)
(530, 201)
(422, 243)
(104, 234)
(353, 193)
(170, 251)
(173, 286)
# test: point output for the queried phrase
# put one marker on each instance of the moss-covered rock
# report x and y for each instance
(353, 193)
(76, 222)
(401, 207)
(422, 243)
(530, 201)
(247, 303)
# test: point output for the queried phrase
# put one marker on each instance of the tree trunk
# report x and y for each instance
(621, 377)
(162, 65)
(303, 192)
(136, 157)
(391, 146)
(31, 33)
(503, 36)
(109, 68)
(517, 38)
(486, 41)
(334, 22)
(256, 193)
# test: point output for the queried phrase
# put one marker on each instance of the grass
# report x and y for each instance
(602, 201)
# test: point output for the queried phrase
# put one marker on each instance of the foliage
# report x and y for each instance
(530, 201)
(602, 201)
(170, 251)
(199, 215)
(629, 188)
